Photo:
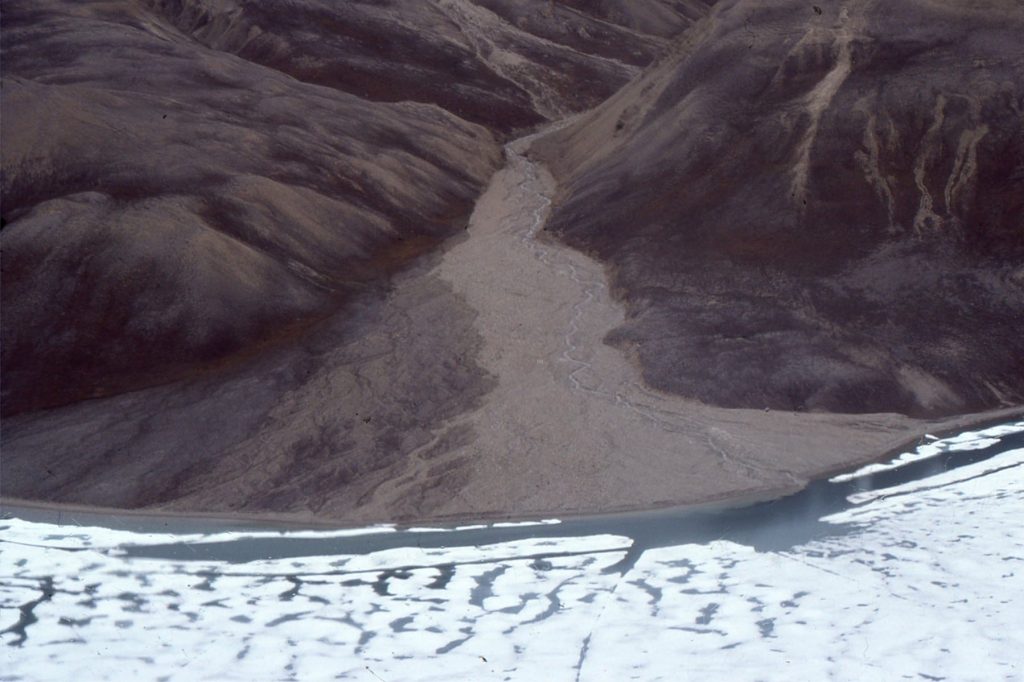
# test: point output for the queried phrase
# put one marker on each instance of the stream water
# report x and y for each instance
(907, 570)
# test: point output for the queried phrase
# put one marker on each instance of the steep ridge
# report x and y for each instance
(815, 208)
(504, 64)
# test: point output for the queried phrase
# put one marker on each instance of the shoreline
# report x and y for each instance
(186, 522)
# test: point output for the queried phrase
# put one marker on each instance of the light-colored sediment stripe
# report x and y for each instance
(871, 165)
(965, 166)
(926, 216)
(818, 101)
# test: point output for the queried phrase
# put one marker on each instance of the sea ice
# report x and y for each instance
(923, 579)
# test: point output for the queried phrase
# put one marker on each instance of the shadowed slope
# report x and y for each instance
(167, 204)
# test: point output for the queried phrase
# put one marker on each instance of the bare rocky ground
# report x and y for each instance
(282, 360)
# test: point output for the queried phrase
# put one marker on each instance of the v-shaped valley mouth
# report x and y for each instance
(355, 262)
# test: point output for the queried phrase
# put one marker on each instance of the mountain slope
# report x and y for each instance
(816, 208)
(166, 204)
